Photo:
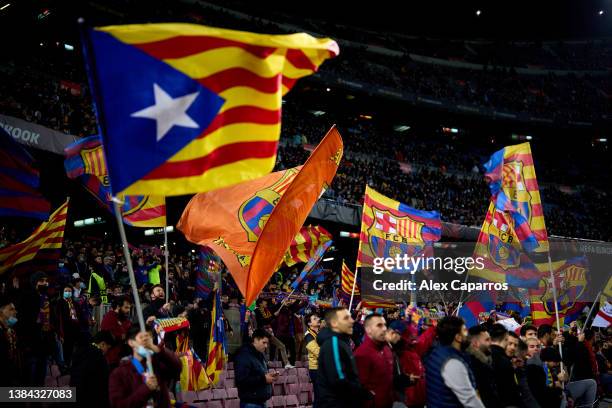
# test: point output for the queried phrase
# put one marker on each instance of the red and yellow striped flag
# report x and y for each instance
(49, 235)
(347, 279)
(305, 244)
(200, 105)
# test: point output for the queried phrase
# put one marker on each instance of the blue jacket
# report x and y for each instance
(438, 394)
(250, 370)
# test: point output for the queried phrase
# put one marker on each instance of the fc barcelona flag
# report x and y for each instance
(187, 108)
(570, 280)
(252, 224)
(390, 228)
(85, 160)
(514, 191)
(503, 257)
(305, 244)
(312, 265)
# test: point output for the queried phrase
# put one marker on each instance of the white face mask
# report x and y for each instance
(76, 293)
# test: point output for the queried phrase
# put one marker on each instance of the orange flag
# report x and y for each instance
(251, 225)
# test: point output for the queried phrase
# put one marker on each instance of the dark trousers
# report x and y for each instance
(289, 343)
(313, 380)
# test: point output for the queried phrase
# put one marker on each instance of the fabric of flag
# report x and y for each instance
(85, 161)
(608, 288)
(48, 236)
(390, 228)
(347, 278)
(207, 272)
(514, 190)
(217, 348)
(305, 244)
(19, 182)
(603, 318)
(476, 310)
(187, 108)
(570, 280)
(312, 265)
(502, 255)
(251, 225)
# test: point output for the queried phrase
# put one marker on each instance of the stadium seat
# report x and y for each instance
(232, 403)
(291, 371)
(188, 396)
(302, 372)
(299, 364)
(304, 379)
(230, 373)
(232, 393)
(205, 395)
(277, 389)
(50, 381)
(275, 364)
(291, 379)
(220, 384)
(306, 390)
(219, 394)
(230, 365)
(229, 383)
(63, 381)
(277, 401)
(214, 404)
(293, 389)
(291, 401)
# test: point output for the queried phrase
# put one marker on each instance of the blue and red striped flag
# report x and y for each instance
(217, 348)
(19, 182)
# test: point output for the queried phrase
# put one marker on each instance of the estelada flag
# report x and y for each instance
(390, 228)
(511, 175)
(571, 278)
(187, 108)
(503, 257)
(251, 225)
(48, 237)
(305, 244)
(85, 160)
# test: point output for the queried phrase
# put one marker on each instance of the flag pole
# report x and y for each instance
(166, 253)
(91, 75)
(461, 295)
(128, 261)
(353, 291)
(592, 308)
(554, 291)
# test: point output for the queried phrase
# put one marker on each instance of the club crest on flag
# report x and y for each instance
(515, 188)
(391, 235)
(502, 250)
(254, 212)
(571, 283)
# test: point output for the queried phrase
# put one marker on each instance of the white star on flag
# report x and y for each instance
(168, 112)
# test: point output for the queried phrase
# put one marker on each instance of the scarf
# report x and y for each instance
(44, 314)
(265, 313)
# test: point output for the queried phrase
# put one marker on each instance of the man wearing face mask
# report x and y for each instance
(133, 385)
(65, 319)
(36, 332)
(9, 354)
(450, 381)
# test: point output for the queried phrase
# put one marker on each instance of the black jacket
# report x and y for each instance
(547, 396)
(89, 375)
(250, 370)
(338, 383)
(505, 380)
(482, 368)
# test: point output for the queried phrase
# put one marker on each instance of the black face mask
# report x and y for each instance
(42, 288)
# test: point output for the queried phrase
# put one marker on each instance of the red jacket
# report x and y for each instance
(411, 363)
(126, 388)
(375, 366)
(118, 329)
